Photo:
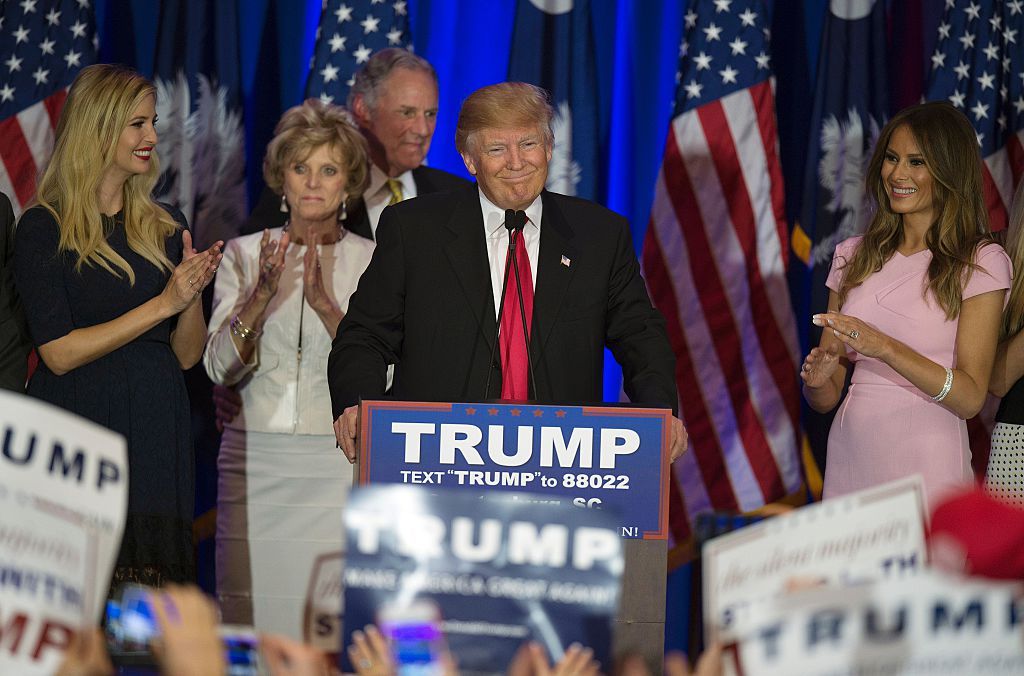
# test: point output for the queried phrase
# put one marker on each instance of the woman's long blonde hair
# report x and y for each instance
(99, 106)
(950, 149)
(1013, 316)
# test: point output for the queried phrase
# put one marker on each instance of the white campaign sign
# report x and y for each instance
(928, 625)
(322, 615)
(63, 496)
(870, 535)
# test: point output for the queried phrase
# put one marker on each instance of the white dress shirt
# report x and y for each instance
(378, 194)
(497, 244)
(280, 392)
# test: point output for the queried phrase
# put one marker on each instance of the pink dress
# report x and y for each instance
(886, 428)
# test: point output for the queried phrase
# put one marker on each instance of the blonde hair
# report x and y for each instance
(506, 104)
(306, 127)
(950, 149)
(99, 106)
(1013, 316)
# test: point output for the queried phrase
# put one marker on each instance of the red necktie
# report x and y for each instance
(515, 364)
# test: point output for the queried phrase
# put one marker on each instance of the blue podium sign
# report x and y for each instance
(588, 456)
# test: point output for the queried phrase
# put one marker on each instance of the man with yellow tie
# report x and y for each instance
(394, 102)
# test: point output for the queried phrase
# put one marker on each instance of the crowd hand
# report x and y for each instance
(679, 439)
(86, 655)
(370, 654)
(819, 365)
(227, 403)
(532, 660)
(346, 431)
(191, 276)
(188, 644)
(285, 657)
(859, 335)
(271, 262)
(708, 664)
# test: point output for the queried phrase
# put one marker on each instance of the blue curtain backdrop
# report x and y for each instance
(469, 43)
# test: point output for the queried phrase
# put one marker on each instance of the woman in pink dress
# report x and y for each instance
(914, 307)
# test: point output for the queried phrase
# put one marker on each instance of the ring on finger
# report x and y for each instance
(365, 663)
(268, 266)
(855, 334)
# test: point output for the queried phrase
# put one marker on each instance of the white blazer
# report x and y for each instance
(280, 393)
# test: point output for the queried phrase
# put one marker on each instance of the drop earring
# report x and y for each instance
(284, 205)
(344, 211)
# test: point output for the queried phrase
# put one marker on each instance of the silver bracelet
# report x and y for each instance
(946, 386)
(240, 330)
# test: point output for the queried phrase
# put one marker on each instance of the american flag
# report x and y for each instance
(978, 66)
(43, 45)
(349, 33)
(714, 260)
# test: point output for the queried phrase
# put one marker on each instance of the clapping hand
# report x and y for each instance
(192, 275)
(819, 365)
(271, 262)
(859, 335)
(313, 283)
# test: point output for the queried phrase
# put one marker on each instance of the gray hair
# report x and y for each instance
(371, 77)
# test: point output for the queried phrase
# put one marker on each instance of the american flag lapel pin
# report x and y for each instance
(565, 260)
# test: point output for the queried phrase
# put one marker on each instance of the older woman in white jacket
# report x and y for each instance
(278, 300)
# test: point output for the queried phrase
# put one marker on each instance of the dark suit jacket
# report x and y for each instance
(268, 214)
(14, 340)
(425, 304)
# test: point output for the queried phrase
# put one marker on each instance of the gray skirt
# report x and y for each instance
(279, 510)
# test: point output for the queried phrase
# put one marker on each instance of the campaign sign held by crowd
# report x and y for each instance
(877, 533)
(927, 625)
(586, 456)
(480, 575)
(63, 496)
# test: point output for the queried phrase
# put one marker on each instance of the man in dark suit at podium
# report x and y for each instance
(428, 302)
(394, 102)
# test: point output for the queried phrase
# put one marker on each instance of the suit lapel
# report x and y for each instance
(422, 180)
(467, 254)
(553, 274)
(358, 221)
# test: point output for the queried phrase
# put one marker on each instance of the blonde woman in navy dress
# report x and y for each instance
(111, 286)
(914, 309)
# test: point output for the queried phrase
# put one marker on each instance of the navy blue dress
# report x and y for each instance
(137, 390)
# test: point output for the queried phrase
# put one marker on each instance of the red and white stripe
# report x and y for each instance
(26, 141)
(714, 260)
(1002, 171)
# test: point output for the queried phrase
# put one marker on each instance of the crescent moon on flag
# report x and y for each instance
(553, 6)
(850, 10)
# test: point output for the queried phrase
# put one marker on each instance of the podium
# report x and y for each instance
(594, 457)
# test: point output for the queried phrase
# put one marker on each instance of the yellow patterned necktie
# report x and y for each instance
(396, 191)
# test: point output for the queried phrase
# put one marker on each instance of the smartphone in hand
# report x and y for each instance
(414, 635)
